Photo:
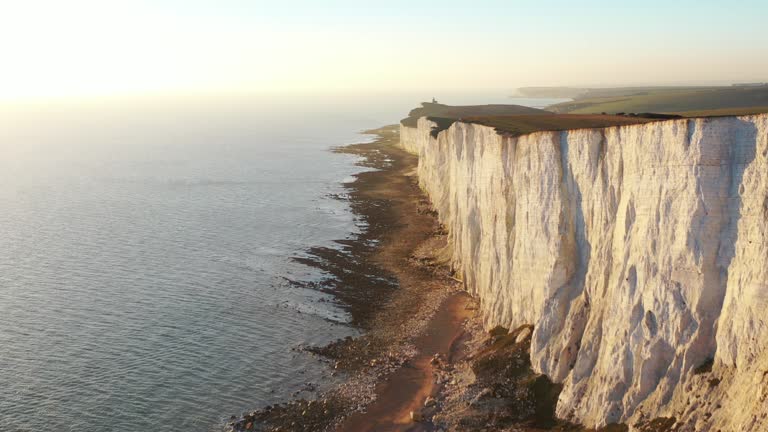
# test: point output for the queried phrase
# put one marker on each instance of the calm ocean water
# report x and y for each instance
(145, 254)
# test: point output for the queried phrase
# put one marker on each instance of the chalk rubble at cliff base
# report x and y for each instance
(638, 253)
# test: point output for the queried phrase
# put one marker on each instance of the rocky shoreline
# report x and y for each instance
(423, 361)
(387, 280)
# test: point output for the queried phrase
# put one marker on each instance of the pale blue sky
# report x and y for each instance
(53, 48)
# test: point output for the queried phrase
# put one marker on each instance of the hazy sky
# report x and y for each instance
(54, 48)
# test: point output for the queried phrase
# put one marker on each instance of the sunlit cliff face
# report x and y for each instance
(637, 252)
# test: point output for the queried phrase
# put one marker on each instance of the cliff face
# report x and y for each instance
(639, 253)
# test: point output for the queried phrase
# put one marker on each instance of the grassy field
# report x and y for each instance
(724, 112)
(446, 112)
(701, 100)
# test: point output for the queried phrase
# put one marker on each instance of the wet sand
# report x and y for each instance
(406, 390)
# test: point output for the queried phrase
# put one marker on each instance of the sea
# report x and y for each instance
(147, 251)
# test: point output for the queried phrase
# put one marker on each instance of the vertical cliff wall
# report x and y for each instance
(639, 253)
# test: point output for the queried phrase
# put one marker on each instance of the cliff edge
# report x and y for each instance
(639, 253)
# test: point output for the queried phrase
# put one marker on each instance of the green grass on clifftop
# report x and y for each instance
(447, 112)
(700, 100)
(642, 106)
(725, 112)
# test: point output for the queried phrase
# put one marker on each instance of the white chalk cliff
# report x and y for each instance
(639, 253)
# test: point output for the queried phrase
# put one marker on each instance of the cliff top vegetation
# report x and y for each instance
(620, 107)
(690, 101)
(440, 111)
